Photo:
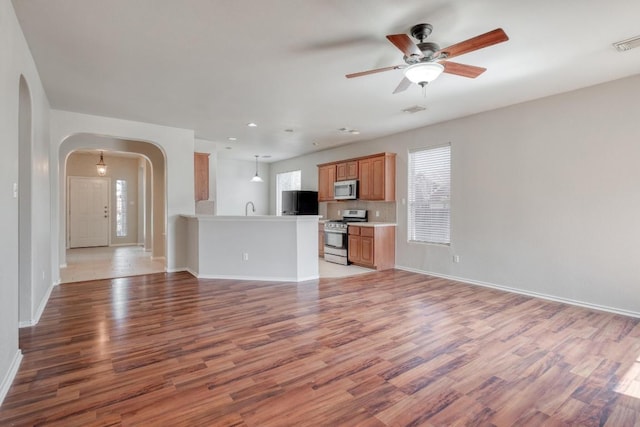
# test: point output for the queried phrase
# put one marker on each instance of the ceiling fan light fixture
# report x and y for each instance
(423, 72)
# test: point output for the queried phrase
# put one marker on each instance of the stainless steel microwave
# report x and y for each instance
(345, 190)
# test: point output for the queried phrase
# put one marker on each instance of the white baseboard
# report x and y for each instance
(158, 258)
(6, 382)
(259, 279)
(527, 293)
(43, 303)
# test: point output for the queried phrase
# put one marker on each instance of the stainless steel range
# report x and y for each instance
(336, 238)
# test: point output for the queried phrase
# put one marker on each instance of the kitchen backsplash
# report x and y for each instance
(387, 210)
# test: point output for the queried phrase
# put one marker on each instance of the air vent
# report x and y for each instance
(627, 44)
(414, 109)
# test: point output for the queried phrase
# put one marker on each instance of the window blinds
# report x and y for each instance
(430, 195)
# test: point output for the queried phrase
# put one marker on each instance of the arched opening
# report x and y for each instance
(24, 203)
(141, 167)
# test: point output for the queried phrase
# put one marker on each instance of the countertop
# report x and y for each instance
(365, 224)
(373, 224)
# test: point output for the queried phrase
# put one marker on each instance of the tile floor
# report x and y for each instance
(108, 262)
(121, 261)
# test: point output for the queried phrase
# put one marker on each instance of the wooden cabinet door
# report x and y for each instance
(367, 251)
(201, 176)
(353, 244)
(326, 178)
(352, 169)
(347, 170)
(355, 249)
(341, 172)
(365, 171)
(377, 178)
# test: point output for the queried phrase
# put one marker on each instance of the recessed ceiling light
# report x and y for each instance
(252, 125)
(354, 132)
(315, 143)
(227, 148)
(289, 130)
(266, 156)
(232, 138)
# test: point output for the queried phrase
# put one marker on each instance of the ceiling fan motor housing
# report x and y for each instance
(421, 31)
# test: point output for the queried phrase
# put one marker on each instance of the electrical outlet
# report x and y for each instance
(245, 256)
(338, 212)
(377, 214)
(15, 190)
(456, 258)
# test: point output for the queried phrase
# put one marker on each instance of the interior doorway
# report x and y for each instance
(88, 207)
(136, 223)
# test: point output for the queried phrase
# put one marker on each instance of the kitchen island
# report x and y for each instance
(272, 248)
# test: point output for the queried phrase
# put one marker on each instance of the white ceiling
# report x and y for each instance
(216, 65)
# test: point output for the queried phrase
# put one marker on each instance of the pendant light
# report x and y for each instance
(256, 178)
(101, 167)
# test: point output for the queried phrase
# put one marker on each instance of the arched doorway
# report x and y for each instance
(78, 156)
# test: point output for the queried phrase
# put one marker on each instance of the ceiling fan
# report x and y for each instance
(425, 61)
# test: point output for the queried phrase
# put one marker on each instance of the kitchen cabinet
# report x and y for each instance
(201, 175)
(326, 178)
(347, 170)
(372, 247)
(377, 177)
(321, 240)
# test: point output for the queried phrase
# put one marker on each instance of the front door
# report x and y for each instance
(88, 212)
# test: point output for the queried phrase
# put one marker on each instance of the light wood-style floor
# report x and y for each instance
(382, 349)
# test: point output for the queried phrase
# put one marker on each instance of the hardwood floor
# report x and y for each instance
(383, 349)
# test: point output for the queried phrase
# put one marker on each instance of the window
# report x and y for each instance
(121, 208)
(430, 195)
(286, 181)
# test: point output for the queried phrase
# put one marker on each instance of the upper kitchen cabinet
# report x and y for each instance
(347, 170)
(377, 177)
(201, 175)
(326, 178)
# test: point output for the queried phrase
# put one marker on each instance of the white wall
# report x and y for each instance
(16, 60)
(545, 195)
(235, 189)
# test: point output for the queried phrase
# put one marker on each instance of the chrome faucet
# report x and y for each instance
(246, 208)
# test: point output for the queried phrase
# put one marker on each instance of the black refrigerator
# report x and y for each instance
(296, 202)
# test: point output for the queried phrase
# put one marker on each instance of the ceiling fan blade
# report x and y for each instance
(405, 44)
(403, 85)
(463, 70)
(478, 42)
(377, 70)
